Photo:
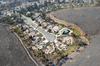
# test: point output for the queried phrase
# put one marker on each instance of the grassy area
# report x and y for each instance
(19, 29)
(52, 55)
(75, 32)
(62, 26)
(55, 33)
(25, 40)
(37, 53)
(36, 31)
(40, 35)
(62, 35)
(70, 49)
(14, 24)
(36, 23)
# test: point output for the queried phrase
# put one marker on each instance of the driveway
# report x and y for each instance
(90, 56)
(11, 51)
(47, 35)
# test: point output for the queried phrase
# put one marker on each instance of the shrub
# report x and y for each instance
(19, 30)
(37, 53)
(75, 32)
(55, 33)
(49, 30)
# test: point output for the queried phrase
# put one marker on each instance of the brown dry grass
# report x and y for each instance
(82, 33)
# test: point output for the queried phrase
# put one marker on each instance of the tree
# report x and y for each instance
(59, 2)
(43, 15)
(49, 2)
(49, 30)
(0, 13)
(20, 15)
(45, 3)
(35, 6)
(81, 4)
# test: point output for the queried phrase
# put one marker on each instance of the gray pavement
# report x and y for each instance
(11, 51)
(90, 56)
(47, 35)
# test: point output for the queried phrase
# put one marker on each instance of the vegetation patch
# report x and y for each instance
(62, 35)
(19, 29)
(55, 33)
(40, 35)
(75, 32)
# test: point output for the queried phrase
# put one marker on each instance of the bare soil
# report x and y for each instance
(88, 19)
(82, 33)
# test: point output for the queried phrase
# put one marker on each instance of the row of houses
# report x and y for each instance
(48, 49)
(6, 12)
(40, 43)
(53, 1)
(52, 27)
(24, 5)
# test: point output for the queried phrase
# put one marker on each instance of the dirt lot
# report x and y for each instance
(88, 19)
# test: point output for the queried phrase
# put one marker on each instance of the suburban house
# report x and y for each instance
(55, 29)
(41, 21)
(24, 27)
(39, 46)
(49, 49)
(27, 13)
(38, 19)
(31, 29)
(26, 32)
(49, 27)
(31, 34)
(61, 46)
(44, 24)
(67, 40)
(64, 31)
(18, 26)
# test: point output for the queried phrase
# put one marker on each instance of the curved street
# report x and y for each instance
(47, 35)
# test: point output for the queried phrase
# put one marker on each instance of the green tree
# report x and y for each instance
(0, 13)
(49, 30)
(43, 15)
(45, 3)
(35, 6)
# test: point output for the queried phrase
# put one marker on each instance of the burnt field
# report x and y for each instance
(87, 18)
(11, 51)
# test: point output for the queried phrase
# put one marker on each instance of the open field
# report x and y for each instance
(11, 51)
(88, 19)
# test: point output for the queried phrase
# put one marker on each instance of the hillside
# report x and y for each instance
(87, 18)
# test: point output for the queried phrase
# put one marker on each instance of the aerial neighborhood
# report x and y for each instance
(42, 42)
(44, 37)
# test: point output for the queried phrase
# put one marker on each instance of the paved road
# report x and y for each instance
(48, 36)
(11, 51)
(90, 55)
